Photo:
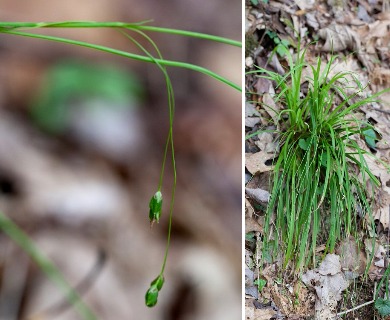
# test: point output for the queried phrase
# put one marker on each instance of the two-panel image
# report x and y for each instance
(195, 160)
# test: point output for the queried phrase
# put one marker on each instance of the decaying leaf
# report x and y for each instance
(252, 116)
(267, 142)
(378, 170)
(378, 258)
(352, 259)
(249, 211)
(251, 224)
(305, 4)
(255, 162)
(382, 209)
(251, 313)
(329, 282)
(270, 106)
(250, 288)
(259, 195)
(339, 37)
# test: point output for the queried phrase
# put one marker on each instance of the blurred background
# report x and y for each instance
(81, 143)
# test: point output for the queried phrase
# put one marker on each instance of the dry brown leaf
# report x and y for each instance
(271, 107)
(255, 162)
(252, 225)
(263, 85)
(339, 37)
(252, 116)
(249, 211)
(382, 208)
(380, 76)
(375, 271)
(266, 142)
(351, 258)
(329, 282)
(330, 265)
(251, 313)
(377, 29)
(378, 170)
(305, 4)
(259, 195)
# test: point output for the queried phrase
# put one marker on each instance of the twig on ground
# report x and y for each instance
(359, 306)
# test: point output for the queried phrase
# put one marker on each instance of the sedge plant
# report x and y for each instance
(156, 202)
(317, 190)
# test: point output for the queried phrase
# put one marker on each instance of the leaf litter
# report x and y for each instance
(359, 32)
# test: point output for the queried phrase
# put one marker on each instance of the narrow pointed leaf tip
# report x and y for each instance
(155, 206)
(152, 293)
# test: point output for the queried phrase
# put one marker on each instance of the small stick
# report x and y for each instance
(360, 306)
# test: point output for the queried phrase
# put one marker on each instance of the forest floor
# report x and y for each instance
(358, 32)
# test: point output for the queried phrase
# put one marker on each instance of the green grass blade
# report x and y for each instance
(20, 238)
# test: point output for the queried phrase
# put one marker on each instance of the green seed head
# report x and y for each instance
(155, 206)
(151, 296)
(158, 282)
(152, 293)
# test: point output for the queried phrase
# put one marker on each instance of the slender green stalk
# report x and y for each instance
(133, 26)
(125, 54)
(169, 143)
(19, 237)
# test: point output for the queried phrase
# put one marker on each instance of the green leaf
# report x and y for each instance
(285, 42)
(303, 144)
(281, 50)
(271, 34)
(383, 306)
(255, 2)
(370, 137)
(250, 236)
(260, 283)
(155, 206)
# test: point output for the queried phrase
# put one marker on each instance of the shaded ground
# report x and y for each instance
(75, 197)
(358, 32)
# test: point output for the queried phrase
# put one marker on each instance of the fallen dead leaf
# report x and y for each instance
(255, 162)
(251, 313)
(329, 282)
(378, 170)
(263, 85)
(270, 106)
(305, 4)
(352, 259)
(251, 224)
(250, 288)
(338, 37)
(267, 142)
(249, 211)
(378, 260)
(259, 195)
(382, 209)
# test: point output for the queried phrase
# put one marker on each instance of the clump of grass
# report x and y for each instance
(314, 191)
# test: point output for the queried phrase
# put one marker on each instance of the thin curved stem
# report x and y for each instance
(127, 55)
